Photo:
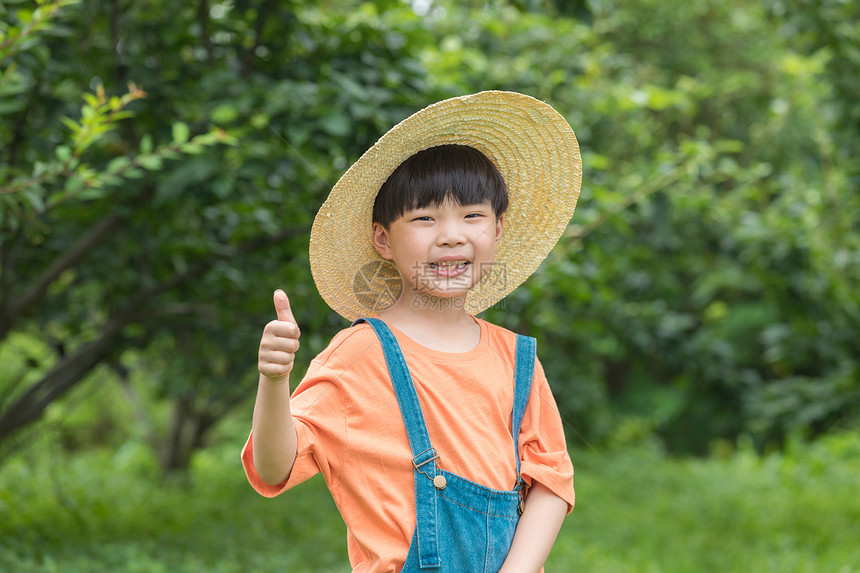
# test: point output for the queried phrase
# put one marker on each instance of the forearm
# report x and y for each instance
(536, 532)
(274, 434)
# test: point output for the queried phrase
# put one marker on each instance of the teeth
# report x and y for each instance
(450, 264)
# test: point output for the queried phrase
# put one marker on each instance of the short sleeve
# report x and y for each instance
(543, 450)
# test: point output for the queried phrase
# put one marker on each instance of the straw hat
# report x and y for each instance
(534, 149)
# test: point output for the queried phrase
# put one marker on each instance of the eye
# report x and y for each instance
(478, 211)
(422, 218)
(479, 214)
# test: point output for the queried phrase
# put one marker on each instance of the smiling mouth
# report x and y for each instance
(449, 267)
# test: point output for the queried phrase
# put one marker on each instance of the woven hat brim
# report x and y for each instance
(533, 147)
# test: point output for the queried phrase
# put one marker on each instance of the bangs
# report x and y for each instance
(444, 173)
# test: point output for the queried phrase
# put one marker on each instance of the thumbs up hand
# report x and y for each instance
(279, 342)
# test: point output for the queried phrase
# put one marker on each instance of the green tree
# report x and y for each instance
(170, 274)
(44, 173)
(708, 282)
(707, 285)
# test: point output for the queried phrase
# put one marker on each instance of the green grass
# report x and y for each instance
(637, 511)
(641, 512)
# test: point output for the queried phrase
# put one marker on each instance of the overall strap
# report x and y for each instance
(424, 456)
(524, 365)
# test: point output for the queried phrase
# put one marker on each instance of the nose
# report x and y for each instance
(451, 232)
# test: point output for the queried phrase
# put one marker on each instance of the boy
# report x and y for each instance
(436, 431)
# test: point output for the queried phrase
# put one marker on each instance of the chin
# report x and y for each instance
(439, 301)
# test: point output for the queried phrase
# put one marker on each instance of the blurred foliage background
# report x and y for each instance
(161, 163)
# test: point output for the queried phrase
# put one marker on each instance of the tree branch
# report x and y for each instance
(22, 122)
(5, 281)
(64, 261)
(65, 374)
(203, 22)
(72, 368)
(260, 23)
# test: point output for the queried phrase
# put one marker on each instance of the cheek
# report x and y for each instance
(489, 245)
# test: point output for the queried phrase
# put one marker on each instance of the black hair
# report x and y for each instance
(437, 174)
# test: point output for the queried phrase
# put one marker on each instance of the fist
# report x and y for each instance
(279, 342)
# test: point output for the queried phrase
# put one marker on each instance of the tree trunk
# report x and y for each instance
(188, 429)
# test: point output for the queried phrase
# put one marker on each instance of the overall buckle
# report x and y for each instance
(439, 480)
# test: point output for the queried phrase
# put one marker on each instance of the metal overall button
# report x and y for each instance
(439, 481)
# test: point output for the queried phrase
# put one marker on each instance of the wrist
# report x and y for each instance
(275, 381)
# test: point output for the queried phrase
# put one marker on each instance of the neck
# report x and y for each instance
(438, 323)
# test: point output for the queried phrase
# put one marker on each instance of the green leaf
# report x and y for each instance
(224, 113)
(117, 164)
(259, 120)
(336, 124)
(121, 115)
(192, 148)
(72, 187)
(181, 133)
(146, 144)
(11, 106)
(71, 124)
(150, 162)
(95, 191)
(34, 197)
(24, 15)
(92, 101)
(730, 146)
(63, 153)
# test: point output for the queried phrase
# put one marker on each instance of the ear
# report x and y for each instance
(500, 223)
(380, 241)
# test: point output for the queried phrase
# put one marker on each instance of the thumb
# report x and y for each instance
(282, 306)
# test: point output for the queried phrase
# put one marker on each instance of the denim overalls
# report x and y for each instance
(461, 526)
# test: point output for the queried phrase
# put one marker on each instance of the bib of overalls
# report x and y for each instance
(461, 526)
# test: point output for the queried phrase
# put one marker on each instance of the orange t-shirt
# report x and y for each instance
(349, 429)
